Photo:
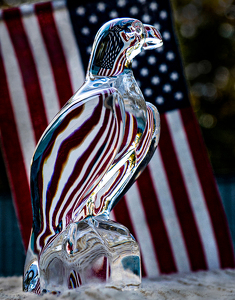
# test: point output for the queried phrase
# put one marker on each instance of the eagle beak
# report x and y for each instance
(153, 38)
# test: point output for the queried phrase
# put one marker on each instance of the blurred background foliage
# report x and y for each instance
(206, 34)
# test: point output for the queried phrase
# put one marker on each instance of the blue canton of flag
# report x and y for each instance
(159, 74)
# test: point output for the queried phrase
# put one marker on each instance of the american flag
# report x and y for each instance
(174, 209)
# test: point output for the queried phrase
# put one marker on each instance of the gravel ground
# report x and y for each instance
(219, 284)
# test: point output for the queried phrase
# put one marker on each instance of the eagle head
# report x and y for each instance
(117, 43)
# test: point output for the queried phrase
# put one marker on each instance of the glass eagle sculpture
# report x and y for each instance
(87, 158)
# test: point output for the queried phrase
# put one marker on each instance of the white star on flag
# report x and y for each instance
(159, 100)
(101, 6)
(152, 60)
(167, 88)
(80, 10)
(174, 76)
(163, 68)
(144, 72)
(134, 10)
(155, 80)
(170, 55)
(178, 96)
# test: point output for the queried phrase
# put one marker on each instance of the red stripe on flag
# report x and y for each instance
(122, 216)
(14, 160)
(156, 223)
(209, 188)
(55, 51)
(181, 200)
(28, 70)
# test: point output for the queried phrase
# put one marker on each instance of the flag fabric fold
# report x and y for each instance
(174, 209)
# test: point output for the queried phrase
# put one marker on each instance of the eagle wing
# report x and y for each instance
(71, 158)
(130, 161)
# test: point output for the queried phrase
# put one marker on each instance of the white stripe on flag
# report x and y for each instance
(138, 218)
(112, 215)
(193, 187)
(70, 47)
(43, 66)
(18, 97)
(169, 214)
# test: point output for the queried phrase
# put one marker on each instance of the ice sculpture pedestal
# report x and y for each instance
(94, 250)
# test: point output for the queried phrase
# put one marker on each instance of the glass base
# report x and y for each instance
(94, 250)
